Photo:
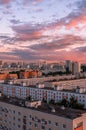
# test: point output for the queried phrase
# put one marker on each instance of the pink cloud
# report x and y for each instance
(76, 21)
(39, 0)
(28, 32)
(32, 36)
(5, 1)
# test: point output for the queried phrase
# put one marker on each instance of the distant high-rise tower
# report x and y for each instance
(76, 68)
(1, 63)
(69, 65)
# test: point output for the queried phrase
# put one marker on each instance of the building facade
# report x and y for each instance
(14, 117)
(43, 93)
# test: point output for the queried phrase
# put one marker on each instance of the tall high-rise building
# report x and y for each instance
(1, 63)
(75, 68)
(69, 65)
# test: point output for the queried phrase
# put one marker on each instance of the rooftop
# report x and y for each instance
(72, 90)
(47, 108)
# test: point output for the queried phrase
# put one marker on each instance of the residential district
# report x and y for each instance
(43, 96)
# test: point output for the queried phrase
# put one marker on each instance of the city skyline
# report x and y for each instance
(36, 30)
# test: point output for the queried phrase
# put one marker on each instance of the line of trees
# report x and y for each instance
(72, 103)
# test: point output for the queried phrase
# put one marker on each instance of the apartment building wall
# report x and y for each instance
(68, 84)
(76, 67)
(81, 123)
(73, 83)
(69, 65)
(3, 76)
(33, 81)
(30, 74)
(40, 94)
(6, 76)
(20, 118)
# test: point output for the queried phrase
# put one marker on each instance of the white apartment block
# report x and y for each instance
(38, 93)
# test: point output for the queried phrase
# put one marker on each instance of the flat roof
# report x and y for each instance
(72, 90)
(46, 108)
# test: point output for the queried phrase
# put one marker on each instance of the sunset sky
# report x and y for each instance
(36, 30)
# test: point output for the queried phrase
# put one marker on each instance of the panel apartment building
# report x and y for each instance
(41, 92)
(14, 116)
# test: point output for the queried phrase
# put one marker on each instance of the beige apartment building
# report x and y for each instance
(44, 117)
(34, 81)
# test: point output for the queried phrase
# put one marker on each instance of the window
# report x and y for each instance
(36, 125)
(64, 126)
(30, 116)
(19, 119)
(14, 124)
(42, 127)
(9, 122)
(13, 118)
(19, 113)
(56, 124)
(30, 123)
(36, 118)
(19, 126)
(49, 122)
(14, 112)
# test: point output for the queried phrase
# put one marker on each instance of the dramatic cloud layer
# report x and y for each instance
(33, 30)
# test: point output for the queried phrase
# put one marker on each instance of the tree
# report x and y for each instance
(44, 100)
(29, 98)
(74, 103)
(64, 102)
(51, 101)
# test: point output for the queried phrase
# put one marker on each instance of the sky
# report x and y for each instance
(43, 30)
